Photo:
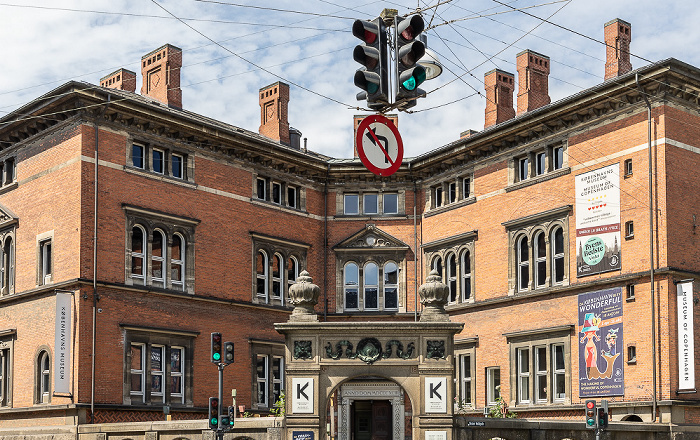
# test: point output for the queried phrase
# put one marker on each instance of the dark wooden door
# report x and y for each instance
(381, 420)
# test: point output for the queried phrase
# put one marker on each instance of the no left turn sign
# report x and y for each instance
(379, 145)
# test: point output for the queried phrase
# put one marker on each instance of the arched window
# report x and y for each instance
(466, 267)
(138, 252)
(10, 271)
(523, 263)
(177, 262)
(540, 260)
(261, 268)
(371, 286)
(43, 377)
(277, 267)
(557, 245)
(391, 286)
(451, 276)
(351, 279)
(437, 265)
(292, 271)
(158, 257)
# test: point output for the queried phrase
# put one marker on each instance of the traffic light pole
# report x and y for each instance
(219, 431)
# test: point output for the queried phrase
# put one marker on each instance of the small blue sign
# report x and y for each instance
(302, 435)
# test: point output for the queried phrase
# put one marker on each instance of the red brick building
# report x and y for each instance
(163, 226)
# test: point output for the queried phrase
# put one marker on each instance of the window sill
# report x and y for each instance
(539, 179)
(274, 205)
(629, 237)
(159, 176)
(370, 217)
(450, 206)
(8, 187)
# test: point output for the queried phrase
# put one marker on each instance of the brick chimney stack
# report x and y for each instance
(274, 103)
(121, 79)
(356, 123)
(161, 75)
(618, 36)
(499, 97)
(533, 80)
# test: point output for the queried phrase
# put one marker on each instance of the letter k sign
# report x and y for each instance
(435, 393)
(303, 395)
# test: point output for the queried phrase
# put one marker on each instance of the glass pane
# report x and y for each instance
(371, 275)
(176, 272)
(541, 273)
(351, 204)
(391, 274)
(352, 275)
(177, 166)
(467, 288)
(466, 262)
(558, 158)
(260, 368)
(524, 277)
(137, 241)
(157, 161)
(277, 193)
(136, 382)
(260, 286)
(292, 270)
(176, 360)
(156, 383)
(541, 358)
(136, 363)
(467, 393)
(260, 264)
(371, 298)
(291, 197)
(137, 265)
(277, 289)
(559, 269)
(541, 246)
(370, 203)
(176, 248)
(391, 298)
(540, 163)
(524, 388)
(438, 196)
(558, 357)
(524, 361)
(137, 156)
(157, 244)
(276, 364)
(437, 265)
(276, 266)
(559, 386)
(523, 250)
(391, 203)
(261, 189)
(496, 372)
(523, 163)
(453, 289)
(156, 358)
(466, 188)
(351, 299)
(541, 387)
(559, 241)
(176, 384)
(157, 269)
(453, 192)
(466, 367)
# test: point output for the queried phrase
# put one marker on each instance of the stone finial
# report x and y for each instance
(433, 295)
(303, 295)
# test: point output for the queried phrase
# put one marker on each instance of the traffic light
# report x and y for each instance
(409, 49)
(225, 421)
(228, 353)
(231, 415)
(216, 347)
(213, 413)
(603, 414)
(591, 414)
(372, 54)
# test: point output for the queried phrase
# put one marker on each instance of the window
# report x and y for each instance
(541, 362)
(261, 188)
(6, 370)
(157, 161)
(269, 374)
(523, 165)
(391, 203)
(371, 286)
(43, 377)
(352, 204)
(351, 281)
(292, 197)
(137, 152)
(158, 366)
(452, 278)
(371, 203)
(7, 262)
(380, 286)
(466, 271)
(466, 187)
(540, 163)
(177, 169)
(629, 229)
(539, 250)
(631, 354)
(8, 169)
(452, 259)
(276, 267)
(452, 188)
(160, 251)
(437, 196)
(630, 292)
(391, 286)
(45, 262)
(493, 385)
(628, 167)
(557, 158)
(465, 386)
(277, 193)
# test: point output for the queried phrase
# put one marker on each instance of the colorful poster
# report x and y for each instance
(598, 221)
(601, 359)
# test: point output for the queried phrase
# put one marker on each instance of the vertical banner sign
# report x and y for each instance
(61, 370)
(598, 221)
(303, 395)
(436, 395)
(686, 335)
(601, 345)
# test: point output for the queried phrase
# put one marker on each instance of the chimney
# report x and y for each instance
(161, 75)
(618, 35)
(533, 77)
(467, 133)
(274, 102)
(121, 79)
(499, 97)
(356, 123)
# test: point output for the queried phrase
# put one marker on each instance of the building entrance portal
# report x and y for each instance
(371, 411)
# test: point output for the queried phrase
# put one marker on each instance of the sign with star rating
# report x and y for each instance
(598, 245)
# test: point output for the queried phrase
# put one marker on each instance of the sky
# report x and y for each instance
(232, 48)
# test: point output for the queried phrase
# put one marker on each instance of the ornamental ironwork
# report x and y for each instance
(302, 350)
(435, 349)
(369, 350)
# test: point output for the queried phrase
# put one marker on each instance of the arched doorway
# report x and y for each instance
(370, 410)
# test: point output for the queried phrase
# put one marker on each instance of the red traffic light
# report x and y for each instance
(365, 31)
(590, 404)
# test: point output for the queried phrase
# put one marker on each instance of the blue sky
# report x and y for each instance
(309, 43)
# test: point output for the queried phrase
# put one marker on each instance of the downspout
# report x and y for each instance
(651, 253)
(95, 296)
(325, 244)
(415, 248)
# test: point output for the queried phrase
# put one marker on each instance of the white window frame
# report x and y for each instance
(438, 196)
(540, 163)
(277, 280)
(465, 366)
(540, 374)
(139, 372)
(155, 280)
(388, 285)
(492, 388)
(557, 256)
(263, 382)
(46, 264)
(292, 196)
(44, 377)
(451, 192)
(351, 204)
(522, 264)
(451, 273)
(140, 255)
(466, 187)
(524, 376)
(557, 158)
(384, 204)
(558, 372)
(180, 394)
(7, 265)
(347, 287)
(366, 286)
(276, 195)
(277, 381)
(291, 279)
(177, 169)
(136, 146)
(264, 275)
(366, 205)
(258, 182)
(178, 262)
(540, 260)
(155, 151)
(158, 373)
(466, 278)
(523, 168)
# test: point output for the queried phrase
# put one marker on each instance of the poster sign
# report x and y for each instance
(436, 395)
(686, 336)
(435, 435)
(302, 435)
(61, 370)
(600, 327)
(598, 221)
(303, 395)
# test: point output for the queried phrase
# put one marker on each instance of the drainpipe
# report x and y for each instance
(95, 296)
(415, 249)
(325, 242)
(651, 253)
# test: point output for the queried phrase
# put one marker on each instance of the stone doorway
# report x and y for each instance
(371, 410)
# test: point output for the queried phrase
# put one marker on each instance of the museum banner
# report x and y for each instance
(61, 372)
(686, 336)
(598, 221)
(600, 329)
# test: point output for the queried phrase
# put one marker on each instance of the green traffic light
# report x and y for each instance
(214, 421)
(417, 77)
(216, 356)
(590, 422)
(372, 88)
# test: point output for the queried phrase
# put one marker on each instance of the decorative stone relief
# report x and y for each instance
(435, 349)
(369, 350)
(302, 350)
